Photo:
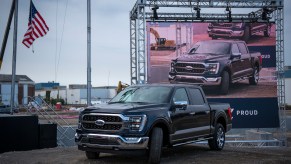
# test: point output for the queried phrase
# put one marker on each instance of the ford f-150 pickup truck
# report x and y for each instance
(238, 30)
(145, 118)
(217, 63)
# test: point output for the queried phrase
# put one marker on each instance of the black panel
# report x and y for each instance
(18, 133)
(47, 135)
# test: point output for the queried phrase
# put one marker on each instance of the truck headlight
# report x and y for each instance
(172, 69)
(136, 123)
(213, 68)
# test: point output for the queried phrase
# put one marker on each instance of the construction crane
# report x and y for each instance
(162, 43)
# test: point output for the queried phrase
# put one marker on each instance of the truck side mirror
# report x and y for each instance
(236, 55)
(180, 105)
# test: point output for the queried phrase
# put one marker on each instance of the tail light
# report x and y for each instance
(229, 113)
(260, 59)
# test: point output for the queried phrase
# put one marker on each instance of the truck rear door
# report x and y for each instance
(200, 111)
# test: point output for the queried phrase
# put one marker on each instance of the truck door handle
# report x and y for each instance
(242, 60)
(192, 113)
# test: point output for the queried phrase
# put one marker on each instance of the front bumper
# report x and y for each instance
(110, 142)
(225, 33)
(200, 80)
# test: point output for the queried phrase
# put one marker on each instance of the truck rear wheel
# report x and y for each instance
(217, 143)
(224, 86)
(254, 80)
(92, 155)
(155, 147)
(267, 32)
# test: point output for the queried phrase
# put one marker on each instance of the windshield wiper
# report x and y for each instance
(115, 102)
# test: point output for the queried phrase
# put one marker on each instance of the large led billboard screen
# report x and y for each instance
(233, 62)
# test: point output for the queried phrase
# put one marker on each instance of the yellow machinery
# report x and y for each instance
(121, 86)
(162, 43)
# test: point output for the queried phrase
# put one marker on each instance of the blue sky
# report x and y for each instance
(110, 41)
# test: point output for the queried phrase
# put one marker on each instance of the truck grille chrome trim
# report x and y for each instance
(190, 67)
(112, 122)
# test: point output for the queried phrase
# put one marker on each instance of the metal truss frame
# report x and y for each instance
(141, 13)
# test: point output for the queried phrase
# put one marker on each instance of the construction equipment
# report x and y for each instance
(121, 86)
(162, 43)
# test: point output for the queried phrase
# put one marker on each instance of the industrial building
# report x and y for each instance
(288, 85)
(24, 88)
(77, 93)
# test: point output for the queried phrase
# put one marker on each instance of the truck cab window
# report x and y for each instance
(234, 49)
(242, 48)
(196, 97)
(180, 95)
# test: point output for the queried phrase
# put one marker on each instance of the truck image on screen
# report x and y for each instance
(241, 31)
(217, 63)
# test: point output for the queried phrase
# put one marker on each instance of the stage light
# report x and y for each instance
(228, 10)
(265, 13)
(197, 9)
(155, 14)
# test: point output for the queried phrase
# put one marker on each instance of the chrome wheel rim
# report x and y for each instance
(220, 138)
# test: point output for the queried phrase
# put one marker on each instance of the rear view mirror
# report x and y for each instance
(180, 105)
(236, 55)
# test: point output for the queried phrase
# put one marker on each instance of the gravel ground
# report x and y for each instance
(183, 154)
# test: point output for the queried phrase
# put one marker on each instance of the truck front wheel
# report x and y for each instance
(92, 155)
(155, 146)
(224, 86)
(254, 80)
(218, 140)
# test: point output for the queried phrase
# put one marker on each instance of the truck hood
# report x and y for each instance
(122, 108)
(202, 58)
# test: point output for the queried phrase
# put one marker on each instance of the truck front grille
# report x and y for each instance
(193, 68)
(111, 122)
(222, 25)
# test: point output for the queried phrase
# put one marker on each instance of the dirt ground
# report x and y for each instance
(183, 154)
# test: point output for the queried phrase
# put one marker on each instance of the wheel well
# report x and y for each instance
(166, 139)
(221, 120)
(257, 65)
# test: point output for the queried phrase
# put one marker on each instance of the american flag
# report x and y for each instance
(36, 27)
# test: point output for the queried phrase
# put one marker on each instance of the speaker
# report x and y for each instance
(47, 135)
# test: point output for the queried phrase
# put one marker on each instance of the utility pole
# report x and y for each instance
(89, 52)
(14, 56)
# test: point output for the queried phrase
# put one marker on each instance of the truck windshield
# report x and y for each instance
(214, 48)
(155, 95)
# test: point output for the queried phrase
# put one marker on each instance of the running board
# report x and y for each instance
(240, 79)
(190, 142)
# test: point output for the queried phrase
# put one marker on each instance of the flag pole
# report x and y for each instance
(14, 56)
(89, 52)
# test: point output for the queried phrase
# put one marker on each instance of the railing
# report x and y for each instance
(46, 112)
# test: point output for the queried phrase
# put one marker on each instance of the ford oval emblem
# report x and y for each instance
(189, 68)
(100, 122)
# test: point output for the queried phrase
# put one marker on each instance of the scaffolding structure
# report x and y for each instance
(141, 13)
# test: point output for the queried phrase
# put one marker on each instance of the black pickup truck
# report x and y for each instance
(217, 63)
(145, 118)
(238, 30)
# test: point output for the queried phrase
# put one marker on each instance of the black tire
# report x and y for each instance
(267, 32)
(214, 37)
(246, 35)
(224, 86)
(218, 140)
(254, 80)
(155, 147)
(92, 155)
